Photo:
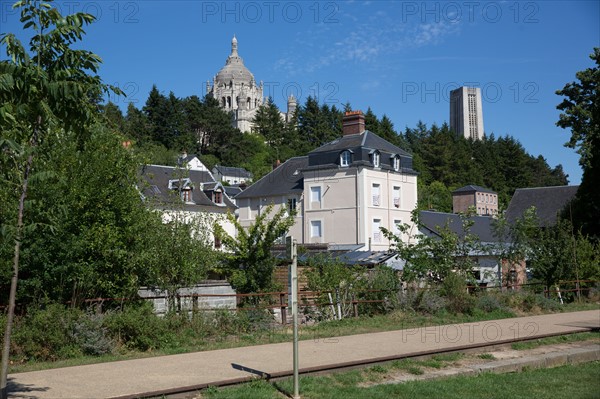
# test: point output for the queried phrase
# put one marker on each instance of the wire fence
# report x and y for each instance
(278, 301)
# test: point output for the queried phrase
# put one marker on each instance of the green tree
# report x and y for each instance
(178, 253)
(53, 88)
(581, 114)
(249, 265)
(432, 258)
(268, 123)
(89, 221)
(435, 196)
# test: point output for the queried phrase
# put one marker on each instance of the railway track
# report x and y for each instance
(192, 391)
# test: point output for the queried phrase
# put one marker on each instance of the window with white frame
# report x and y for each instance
(396, 163)
(315, 194)
(376, 230)
(396, 229)
(376, 159)
(186, 195)
(291, 204)
(376, 194)
(316, 228)
(396, 196)
(345, 158)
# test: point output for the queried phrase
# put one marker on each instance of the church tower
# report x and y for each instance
(236, 90)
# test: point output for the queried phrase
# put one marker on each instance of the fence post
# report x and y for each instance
(283, 308)
(355, 305)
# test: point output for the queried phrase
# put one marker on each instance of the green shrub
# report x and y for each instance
(47, 333)
(489, 303)
(430, 302)
(91, 337)
(454, 288)
(137, 327)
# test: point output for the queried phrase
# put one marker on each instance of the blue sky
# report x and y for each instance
(399, 58)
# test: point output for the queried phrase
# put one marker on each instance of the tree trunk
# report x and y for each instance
(13, 282)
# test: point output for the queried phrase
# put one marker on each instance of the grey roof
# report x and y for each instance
(548, 202)
(434, 222)
(471, 188)
(231, 171)
(346, 256)
(361, 147)
(285, 179)
(366, 139)
(154, 185)
(232, 191)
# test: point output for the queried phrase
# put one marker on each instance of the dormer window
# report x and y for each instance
(396, 163)
(218, 197)
(376, 157)
(186, 195)
(345, 158)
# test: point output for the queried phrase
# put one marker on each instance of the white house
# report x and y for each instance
(343, 192)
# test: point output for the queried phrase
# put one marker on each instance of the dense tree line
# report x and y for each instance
(167, 125)
(581, 113)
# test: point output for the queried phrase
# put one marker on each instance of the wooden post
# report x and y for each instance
(283, 308)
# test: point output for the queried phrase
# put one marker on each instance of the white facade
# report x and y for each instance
(466, 112)
(354, 204)
(339, 207)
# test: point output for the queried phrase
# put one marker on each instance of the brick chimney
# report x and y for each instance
(353, 123)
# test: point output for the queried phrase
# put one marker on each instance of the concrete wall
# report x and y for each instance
(187, 304)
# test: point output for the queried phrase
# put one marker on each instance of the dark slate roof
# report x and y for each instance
(472, 188)
(285, 179)
(232, 191)
(548, 202)
(434, 222)
(346, 256)
(154, 186)
(231, 171)
(365, 139)
(361, 147)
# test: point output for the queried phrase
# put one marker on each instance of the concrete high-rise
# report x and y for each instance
(466, 112)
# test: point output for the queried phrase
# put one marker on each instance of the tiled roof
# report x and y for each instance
(548, 202)
(434, 222)
(366, 139)
(231, 171)
(285, 179)
(472, 188)
(154, 185)
(361, 146)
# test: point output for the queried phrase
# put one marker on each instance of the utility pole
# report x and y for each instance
(293, 300)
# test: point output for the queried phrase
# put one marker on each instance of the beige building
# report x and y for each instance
(484, 201)
(466, 112)
(344, 192)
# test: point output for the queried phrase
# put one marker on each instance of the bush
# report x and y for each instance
(47, 334)
(489, 303)
(454, 288)
(426, 301)
(385, 279)
(91, 336)
(137, 327)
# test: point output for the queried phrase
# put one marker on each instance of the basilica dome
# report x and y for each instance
(234, 69)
